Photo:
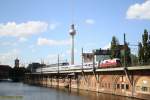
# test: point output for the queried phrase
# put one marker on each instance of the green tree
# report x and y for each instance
(140, 53)
(120, 51)
(145, 47)
(115, 51)
(134, 59)
(149, 49)
(126, 55)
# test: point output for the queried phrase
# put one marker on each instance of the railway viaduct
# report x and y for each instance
(124, 81)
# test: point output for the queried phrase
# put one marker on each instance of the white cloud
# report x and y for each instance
(22, 29)
(13, 43)
(8, 43)
(9, 57)
(53, 26)
(49, 42)
(22, 39)
(90, 21)
(139, 11)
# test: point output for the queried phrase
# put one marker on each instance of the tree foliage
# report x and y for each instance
(127, 55)
(140, 53)
(134, 60)
(120, 51)
(144, 48)
(115, 51)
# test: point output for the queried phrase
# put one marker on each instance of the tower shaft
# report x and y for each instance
(72, 51)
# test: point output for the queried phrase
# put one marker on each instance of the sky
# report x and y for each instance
(38, 30)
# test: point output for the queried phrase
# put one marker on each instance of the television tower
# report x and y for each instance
(72, 32)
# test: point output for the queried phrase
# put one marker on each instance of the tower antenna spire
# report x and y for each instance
(72, 11)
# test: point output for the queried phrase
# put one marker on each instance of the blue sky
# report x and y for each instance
(35, 30)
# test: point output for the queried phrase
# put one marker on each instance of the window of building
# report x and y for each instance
(118, 86)
(145, 89)
(106, 85)
(127, 86)
(122, 86)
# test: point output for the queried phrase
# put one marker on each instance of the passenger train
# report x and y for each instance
(109, 63)
(63, 67)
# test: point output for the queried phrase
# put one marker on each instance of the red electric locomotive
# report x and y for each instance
(110, 63)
